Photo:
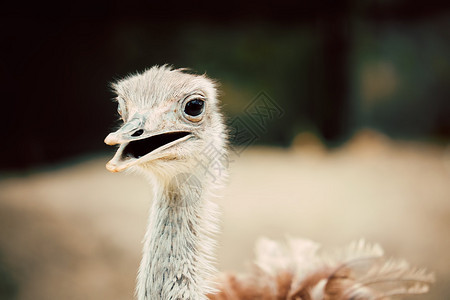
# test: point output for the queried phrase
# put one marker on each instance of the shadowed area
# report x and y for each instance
(139, 148)
(75, 232)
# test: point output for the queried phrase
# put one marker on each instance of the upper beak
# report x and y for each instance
(125, 133)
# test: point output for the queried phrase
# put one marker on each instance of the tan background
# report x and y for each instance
(74, 232)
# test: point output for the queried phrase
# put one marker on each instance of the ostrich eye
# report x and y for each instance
(194, 107)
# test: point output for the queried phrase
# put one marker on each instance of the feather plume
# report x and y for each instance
(297, 271)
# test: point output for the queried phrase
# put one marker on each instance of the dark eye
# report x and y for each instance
(194, 107)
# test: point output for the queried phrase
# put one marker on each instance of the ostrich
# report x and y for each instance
(174, 134)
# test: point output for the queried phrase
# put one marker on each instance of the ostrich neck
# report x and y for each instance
(177, 244)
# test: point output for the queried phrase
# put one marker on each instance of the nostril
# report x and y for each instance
(138, 132)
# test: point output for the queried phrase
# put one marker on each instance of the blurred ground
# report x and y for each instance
(75, 232)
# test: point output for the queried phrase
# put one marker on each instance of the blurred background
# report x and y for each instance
(360, 147)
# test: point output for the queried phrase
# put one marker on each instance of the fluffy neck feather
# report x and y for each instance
(177, 261)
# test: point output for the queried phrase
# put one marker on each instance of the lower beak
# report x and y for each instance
(118, 163)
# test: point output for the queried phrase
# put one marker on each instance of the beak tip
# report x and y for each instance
(108, 141)
(111, 167)
(115, 167)
(113, 139)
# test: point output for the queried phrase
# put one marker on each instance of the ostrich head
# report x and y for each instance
(169, 117)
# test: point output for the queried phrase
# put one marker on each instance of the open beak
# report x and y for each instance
(134, 148)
